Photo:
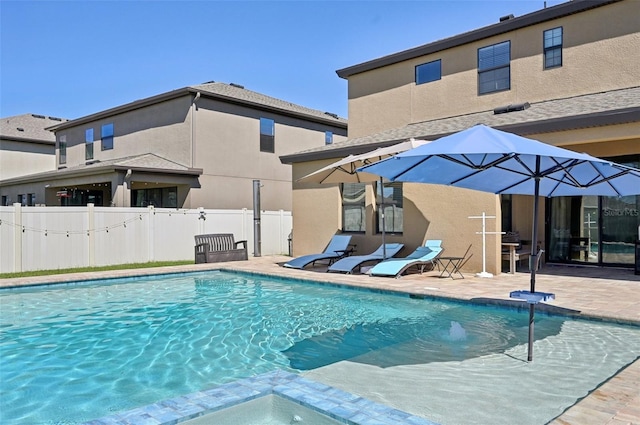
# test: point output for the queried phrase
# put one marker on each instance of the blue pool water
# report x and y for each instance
(78, 352)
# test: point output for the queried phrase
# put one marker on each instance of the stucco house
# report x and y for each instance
(197, 146)
(567, 75)
(26, 147)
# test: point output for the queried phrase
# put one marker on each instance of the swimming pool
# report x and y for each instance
(78, 352)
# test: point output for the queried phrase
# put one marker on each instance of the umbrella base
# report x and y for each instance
(484, 274)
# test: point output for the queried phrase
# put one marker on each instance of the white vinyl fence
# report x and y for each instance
(48, 238)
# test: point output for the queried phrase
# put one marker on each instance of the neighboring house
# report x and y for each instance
(26, 147)
(198, 146)
(565, 75)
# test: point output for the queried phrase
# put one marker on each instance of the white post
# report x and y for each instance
(91, 234)
(17, 244)
(484, 232)
(151, 232)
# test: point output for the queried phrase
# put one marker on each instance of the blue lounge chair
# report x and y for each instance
(421, 257)
(338, 247)
(349, 264)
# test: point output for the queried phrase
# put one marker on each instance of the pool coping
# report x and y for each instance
(541, 308)
(340, 405)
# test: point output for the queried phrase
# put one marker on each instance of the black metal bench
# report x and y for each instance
(218, 247)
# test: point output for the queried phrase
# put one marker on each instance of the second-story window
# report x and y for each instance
(267, 135)
(62, 149)
(328, 137)
(88, 138)
(494, 68)
(107, 137)
(553, 48)
(427, 72)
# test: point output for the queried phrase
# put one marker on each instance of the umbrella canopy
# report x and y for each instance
(482, 158)
(489, 160)
(345, 171)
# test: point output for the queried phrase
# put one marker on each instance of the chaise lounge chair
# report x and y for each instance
(421, 257)
(349, 264)
(338, 247)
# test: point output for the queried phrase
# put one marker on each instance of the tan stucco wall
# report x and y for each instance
(594, 60)
(228, 150)
(162, 129)
(23, 158)
(606, 141)
(430, 212)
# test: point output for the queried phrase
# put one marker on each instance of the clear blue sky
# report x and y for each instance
(74, 58)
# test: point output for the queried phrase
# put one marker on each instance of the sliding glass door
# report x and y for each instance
(593, 230)
(573, 229)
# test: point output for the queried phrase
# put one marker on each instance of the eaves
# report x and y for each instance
(576, 122)
(28, 140)
(190, 91)
(63, 173)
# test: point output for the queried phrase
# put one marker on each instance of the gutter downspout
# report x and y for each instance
(194, 108)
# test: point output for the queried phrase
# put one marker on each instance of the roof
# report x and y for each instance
(235, 92)
(149, 162)
(29, 128)
(589, 110)
(231, 93)
(506, 25)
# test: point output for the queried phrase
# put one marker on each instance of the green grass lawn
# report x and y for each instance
(95, 269)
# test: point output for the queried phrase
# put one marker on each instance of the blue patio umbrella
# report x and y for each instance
(490, 160)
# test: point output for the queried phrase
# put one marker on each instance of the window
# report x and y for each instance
(31, 199)
(506, 202)
(494, 69)
(267, 135)
(5, 201)
(328, 137)
(428, 72)
(88, 138)
(166, 197)
(553, 48)
(389, 197)
(353, 207)
(62, 147)
(107, 137)
(22, 199)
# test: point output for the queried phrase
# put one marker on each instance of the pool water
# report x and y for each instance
(78, 352)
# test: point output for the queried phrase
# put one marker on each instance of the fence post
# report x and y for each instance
(17, 219)
(244, 215)
(281, 236)
(91, 233)
(152, 231)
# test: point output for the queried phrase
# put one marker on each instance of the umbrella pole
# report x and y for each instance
(533, 257)
(384, 246)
